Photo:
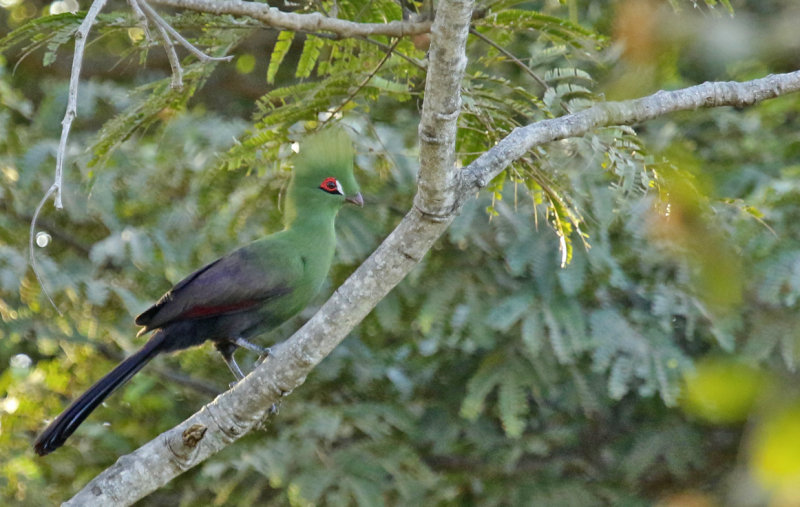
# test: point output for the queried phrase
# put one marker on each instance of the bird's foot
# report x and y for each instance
(267, 352)
(252, 347)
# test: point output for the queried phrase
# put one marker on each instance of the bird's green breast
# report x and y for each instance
(298, 258)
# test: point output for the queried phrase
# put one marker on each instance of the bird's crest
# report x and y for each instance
(330, 148)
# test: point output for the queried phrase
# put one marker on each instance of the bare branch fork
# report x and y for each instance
(442, 190)
(146, 14)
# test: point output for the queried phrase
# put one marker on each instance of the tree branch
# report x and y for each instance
(166, 41)
(72, 101)
(437, 127)
(161, 23)
(81, 35)
(712, 94)
(312, 22)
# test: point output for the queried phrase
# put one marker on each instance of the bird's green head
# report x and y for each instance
(323, 172)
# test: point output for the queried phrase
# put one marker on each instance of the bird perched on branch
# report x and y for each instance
(249, 291)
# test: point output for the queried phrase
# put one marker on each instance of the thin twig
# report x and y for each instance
(166, 41)
(81, 35)
(518, 62)
(413, 61)
(163, 25)
(200, 386)
(364, 82)
(51, 228)
(53, 188)
(72, 102)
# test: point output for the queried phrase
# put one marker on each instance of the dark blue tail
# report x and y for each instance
(65, 424)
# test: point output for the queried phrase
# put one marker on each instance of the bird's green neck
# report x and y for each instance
(309, 211)
(309, 220)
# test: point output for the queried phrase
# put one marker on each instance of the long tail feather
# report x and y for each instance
(65, 424)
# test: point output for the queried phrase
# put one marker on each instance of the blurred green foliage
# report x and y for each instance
(492, 375)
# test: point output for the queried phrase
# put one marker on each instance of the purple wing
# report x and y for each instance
(230, 284)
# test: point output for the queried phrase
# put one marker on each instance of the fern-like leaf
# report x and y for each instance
(512, 404)
(309, 56)
(282, 46)
(162, 98)
(480, 385)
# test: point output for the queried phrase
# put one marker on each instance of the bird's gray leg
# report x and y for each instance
(226, 349)
(262, 352)
(258, 349)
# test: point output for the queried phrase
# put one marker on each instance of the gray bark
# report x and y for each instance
(312, 22)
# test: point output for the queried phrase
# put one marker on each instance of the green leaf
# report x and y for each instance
(620, 378)
(512, 404)
(557, 341)
(480, 385)
(42, 30)
(533, 332)
(509, 311)
(309, 56)
(154, 99)
(279, 51)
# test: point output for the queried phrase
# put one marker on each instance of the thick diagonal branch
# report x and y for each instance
(438, 125)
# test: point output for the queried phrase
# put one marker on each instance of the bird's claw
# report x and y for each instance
(264, 355)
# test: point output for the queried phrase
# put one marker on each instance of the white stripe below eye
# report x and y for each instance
(339, 187)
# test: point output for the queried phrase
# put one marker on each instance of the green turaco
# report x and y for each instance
(249, 291)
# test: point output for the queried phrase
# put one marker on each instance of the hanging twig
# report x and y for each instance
(140, 15)
(72, 101)
(363, 83)
(35, 268)
(518, 62)
(413, 61)
(162, 24)
(166, 41)
(81, 34)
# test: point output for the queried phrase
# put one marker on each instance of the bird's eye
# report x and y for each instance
(331, 186)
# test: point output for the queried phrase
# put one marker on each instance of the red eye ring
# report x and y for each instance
(330, 185)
